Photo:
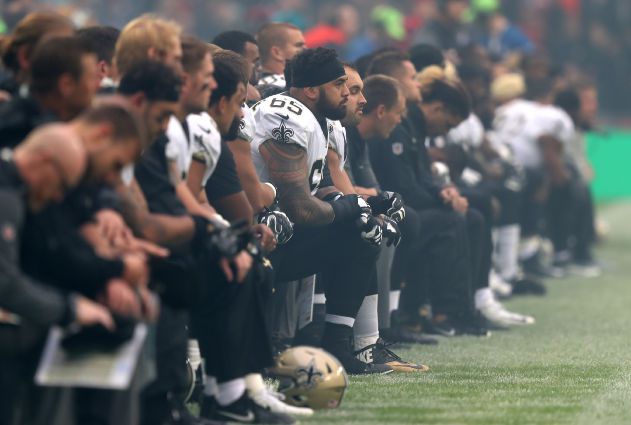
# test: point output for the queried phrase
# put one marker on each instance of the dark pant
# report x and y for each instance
(343, 261)
(171, 379)
(584, 225)
(479, 221)
(510, 199)
(560, 211)
(20, 348)
(533, 204)
(571, 219)
(229, 322)
(434, 255)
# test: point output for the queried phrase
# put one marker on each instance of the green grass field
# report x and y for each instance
(572, 367)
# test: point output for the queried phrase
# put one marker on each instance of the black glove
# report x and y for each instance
(349, 207)
(333, 196)
(389, 204)
(219, 241)
(370, 228)
(391, 232)
(279, 223)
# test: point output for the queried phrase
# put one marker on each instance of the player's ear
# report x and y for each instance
(138, 99)
(23, 57)
(312, 93)
(66, 84)
(103, 68)
(381, 111)
(223, 105)
(152, 53)
(277, 53)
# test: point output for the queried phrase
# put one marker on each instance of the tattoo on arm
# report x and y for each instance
(287, 165)
(136, 213)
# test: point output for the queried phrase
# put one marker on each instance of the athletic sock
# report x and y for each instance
(482, 297)
(254, 383)
(394, 300)
(366, 328)
(230, 391)
(211, 389)
(507, 252)
(319, 298)
(194, 354)
(339, 320)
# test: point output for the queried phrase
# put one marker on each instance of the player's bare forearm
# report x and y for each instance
(287, 166)
(366, 191)
(160, 229)
(195, 177)
(259, 195)
(339, 176)
(552, 152)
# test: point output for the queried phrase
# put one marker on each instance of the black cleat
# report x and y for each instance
(184, 417)
(464, 325)
(535, 267)
(526, 286)
(408, 335)
(354, 366)
(380, 354)
(438, 327)
(473, 324)
(337, 340)
(406, 329)
(247, 411)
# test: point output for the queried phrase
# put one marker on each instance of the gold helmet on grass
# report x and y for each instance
(310, 377)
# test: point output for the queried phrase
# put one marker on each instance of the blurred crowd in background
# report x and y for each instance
(587, 36)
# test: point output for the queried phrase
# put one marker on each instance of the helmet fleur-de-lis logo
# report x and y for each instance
(282, 133)
(309, 376)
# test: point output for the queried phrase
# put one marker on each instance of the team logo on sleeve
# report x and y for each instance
(8, 232)
(282, 133)
(397, 148)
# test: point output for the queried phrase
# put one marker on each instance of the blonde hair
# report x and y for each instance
(434, 72)
(507, 87)
(143, 33)
(271, 35)
(438, 84)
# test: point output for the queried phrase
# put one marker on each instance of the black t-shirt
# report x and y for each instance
(152, 174)
(224, 181)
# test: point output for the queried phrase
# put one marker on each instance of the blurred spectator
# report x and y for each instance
(501, 37)
(447, 30)
(342, 31)
(590, 36)
(292, 12)
(20, 45)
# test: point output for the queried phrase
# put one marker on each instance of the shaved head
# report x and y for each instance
(52, 160)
